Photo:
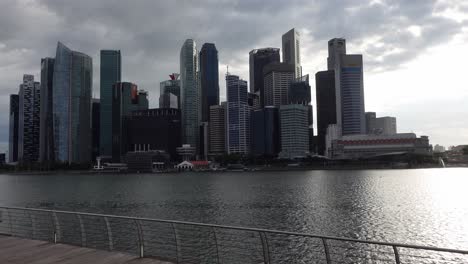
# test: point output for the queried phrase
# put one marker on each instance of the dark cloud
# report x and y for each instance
(150, 33)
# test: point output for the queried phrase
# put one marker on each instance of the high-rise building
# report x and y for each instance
(168, 100)
(46, 134)
(189, 93)
(13, 130)
(72, 89)
(238, 116)
(96, 127)
(336, 48)
(209, 79)
(292, 50)
(111, 73)
(217, 129)
(370, 122)
(266, 132)
(277, 79)
(299, 91)
(125, 99)
(294, 125)
(253, 100)
(171, 86)
(326, 106)
(380, 125)
(155, 129)
(258, 59)
(29, 119)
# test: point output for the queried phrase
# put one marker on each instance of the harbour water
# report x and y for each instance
(420, 206)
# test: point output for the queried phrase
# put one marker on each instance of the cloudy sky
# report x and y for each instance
(415, 51)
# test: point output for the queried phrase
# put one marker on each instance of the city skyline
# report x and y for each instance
(390, 69)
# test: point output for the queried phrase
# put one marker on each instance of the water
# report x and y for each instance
(426, 206)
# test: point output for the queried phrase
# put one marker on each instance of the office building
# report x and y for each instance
(253, 100)
(277, 79)
(294, 126)
(157, 129)
(189, 93)
(299, 91)
(46, 127)
(292, 50)
(266, 132)
(380, 125)
(258, 59)
(336, 48)
(29, 120)
(125, 99)
(209, 79)
(171, 86)
(72, 89)
(217, 129)
(95, 127)
(326, 106)
(238, 116)
(13, 128)
(111, 73)
(203, 145)
(168, 100)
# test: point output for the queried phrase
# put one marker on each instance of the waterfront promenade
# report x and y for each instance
(15, 250)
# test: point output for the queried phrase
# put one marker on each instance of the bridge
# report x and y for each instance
(30, 235)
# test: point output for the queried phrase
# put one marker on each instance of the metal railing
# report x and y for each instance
(187, 242)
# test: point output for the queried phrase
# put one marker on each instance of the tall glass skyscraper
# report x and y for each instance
(209, 79)
(72, 88)
(258, 59)
(238, 116)
(326, 105)
(111, 73)
(13, 135)
(28, 120)
(46, 137)
(189, 92)
(292, 50)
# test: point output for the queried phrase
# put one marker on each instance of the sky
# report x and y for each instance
(415, 52)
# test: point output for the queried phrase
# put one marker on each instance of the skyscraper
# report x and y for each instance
(171, 86)
(189, 92)
(292, 50)
(13, 130)
(46, 139)
(217, 129)
(96, 127)
(238, 116)
(209, 79)
(299, 91)
(111, 73)
(72, 88)
(326, 106)
(336, 48)
(258, 59)
(266, 132)
(29, 119)
(294, 125)
(168, 100)
(277, 80)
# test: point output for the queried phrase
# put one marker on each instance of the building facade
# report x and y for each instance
(238, 116)
(294, 125)
(72, 89)
(326, 106)
(291, 41)
(95, 127)
(258, 59)
(168, 100)
(171, 86)
(46, 134)
(189, 93)
(29, 119)
(111, 73)
(209, 79)
(266, 132)
(13, 128)
(385, 125)
(277, 80)
(217, 130)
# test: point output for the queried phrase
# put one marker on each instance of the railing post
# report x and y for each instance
(141, 245)
(33, 224)
(176, 245)
(327, 252)
(109, 234)
(216, 243)
(9, 221)
(56, 227)
(82, 230)
(397, 255)
(266, 250)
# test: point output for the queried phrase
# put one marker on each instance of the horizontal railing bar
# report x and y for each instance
(250, 229)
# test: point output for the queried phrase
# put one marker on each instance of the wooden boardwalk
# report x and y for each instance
(15, 250)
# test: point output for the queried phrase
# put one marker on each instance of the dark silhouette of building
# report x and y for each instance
(46, 134)
(111, 73)
(13, 133)
(299, 91)
(155, 129)
(266, 132)
(258, 59)
(209, 79)
(96, 126)
(326, 105)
